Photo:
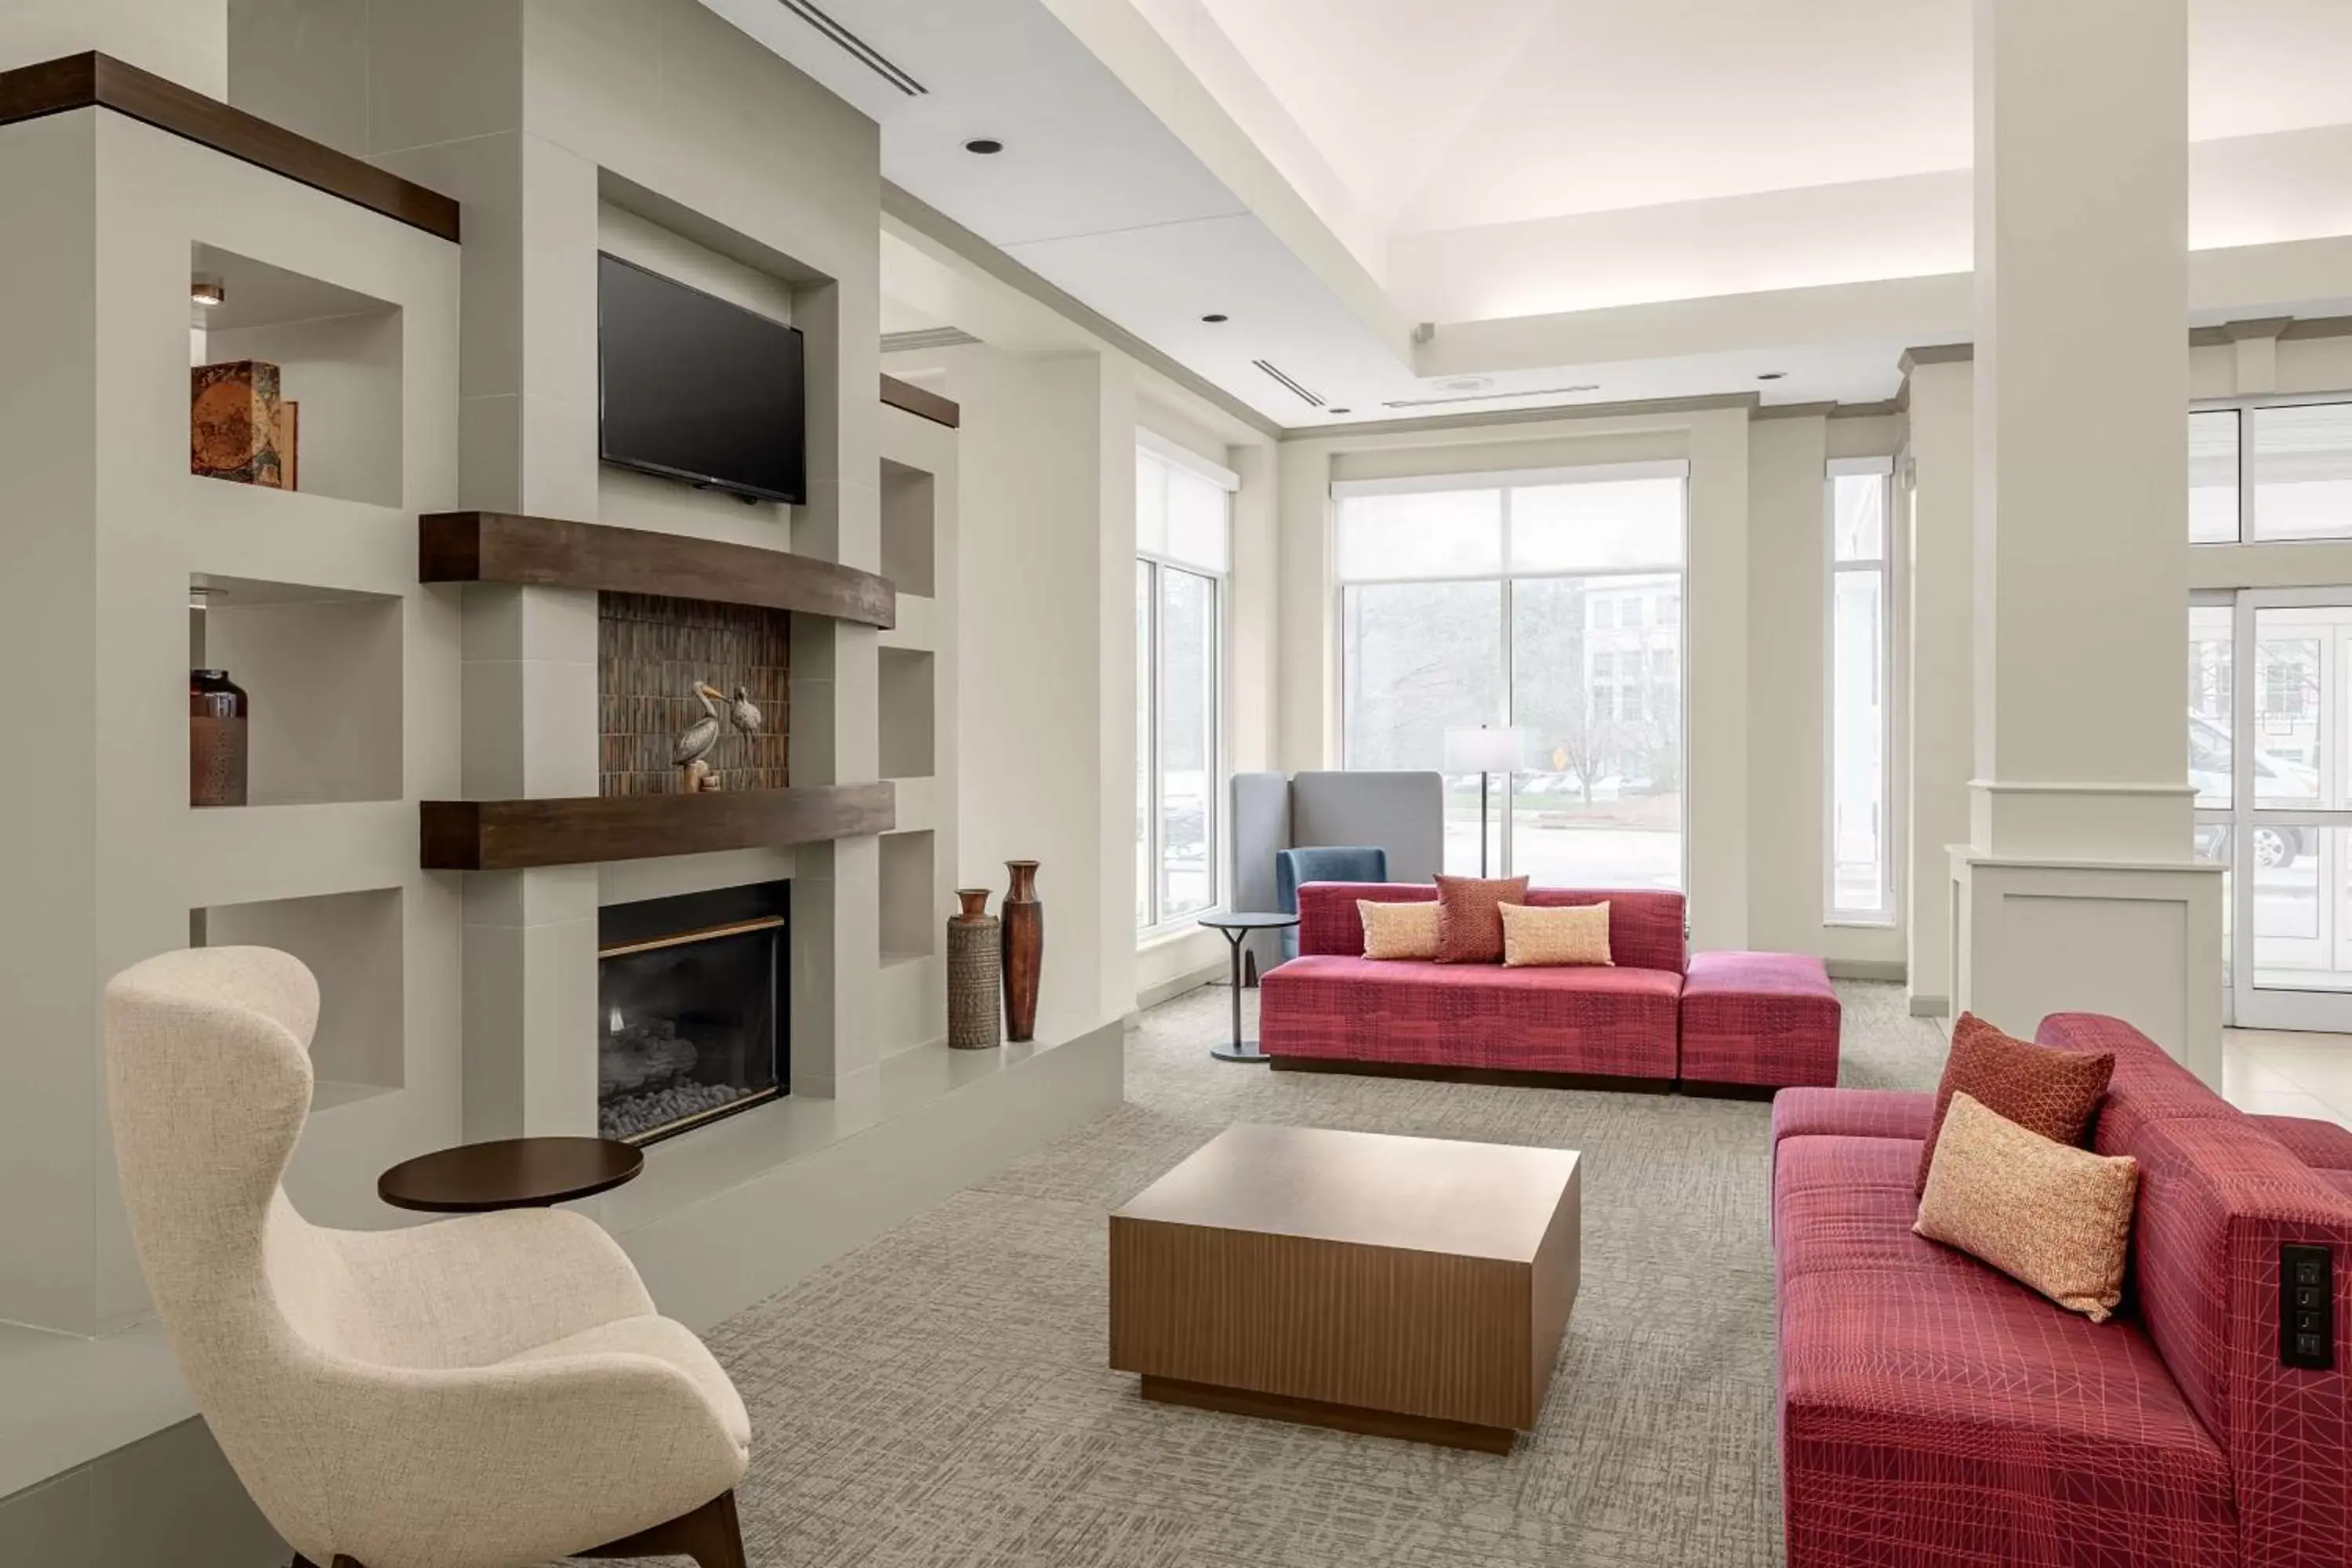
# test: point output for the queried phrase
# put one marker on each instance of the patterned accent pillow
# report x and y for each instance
(1399, 930)
(2056, 1218)
(2054, 1093)
(1470, 917)
(1555, 934)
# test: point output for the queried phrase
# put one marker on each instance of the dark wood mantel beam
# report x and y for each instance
(102, 81)
(551, 552)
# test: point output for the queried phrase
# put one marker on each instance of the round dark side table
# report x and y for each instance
(1237, 928)
(508, 1173)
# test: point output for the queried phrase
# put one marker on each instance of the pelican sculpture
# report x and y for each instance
(744, 712)
(695, 743)
(693, 748)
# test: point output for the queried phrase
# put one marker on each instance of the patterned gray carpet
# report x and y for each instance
(940, 1397)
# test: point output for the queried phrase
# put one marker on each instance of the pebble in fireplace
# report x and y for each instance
(690, 994)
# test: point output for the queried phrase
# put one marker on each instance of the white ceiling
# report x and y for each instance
(1470, 161)
(1492, 111)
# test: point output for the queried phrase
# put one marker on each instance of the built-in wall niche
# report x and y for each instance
(352, 944)
(908, 739)
(338, 354)
(910, 913)
(320, 670)
(909, 529)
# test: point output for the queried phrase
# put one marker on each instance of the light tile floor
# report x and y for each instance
(2275, 1073)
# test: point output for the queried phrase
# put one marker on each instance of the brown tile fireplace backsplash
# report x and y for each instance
(650, 652)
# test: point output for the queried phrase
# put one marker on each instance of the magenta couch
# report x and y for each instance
(1934, 1411)
(1742, 1020)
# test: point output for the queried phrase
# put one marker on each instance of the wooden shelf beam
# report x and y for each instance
(551, 552)
(102, 81)
(918, 401)
(515, 835)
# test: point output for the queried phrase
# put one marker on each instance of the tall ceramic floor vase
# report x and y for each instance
(1024, 950)
(975, 974)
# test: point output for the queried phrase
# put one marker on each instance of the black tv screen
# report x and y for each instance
(696, 388)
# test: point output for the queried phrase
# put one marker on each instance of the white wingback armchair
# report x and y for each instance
(478, 1392)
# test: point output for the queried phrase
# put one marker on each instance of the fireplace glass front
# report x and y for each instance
(691, 1025)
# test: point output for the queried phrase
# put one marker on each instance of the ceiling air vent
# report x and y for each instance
(926, 338)
(1289, 384)
(1490, 396)
(855, 47)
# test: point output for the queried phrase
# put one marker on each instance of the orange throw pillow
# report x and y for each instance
(2056, 1218)
(1470, 917)
(1399, 930)
(2053, 1093)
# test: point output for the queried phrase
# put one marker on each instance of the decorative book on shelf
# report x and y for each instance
(239, 426)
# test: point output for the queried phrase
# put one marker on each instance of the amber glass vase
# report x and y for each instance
(217, 712)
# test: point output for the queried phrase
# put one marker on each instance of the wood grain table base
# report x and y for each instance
(1322, 1413)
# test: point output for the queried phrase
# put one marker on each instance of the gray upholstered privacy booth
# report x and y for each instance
(1401, 813)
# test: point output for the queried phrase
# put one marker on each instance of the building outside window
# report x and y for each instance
(1861, 869)
(1550, 600)
(1183, 553)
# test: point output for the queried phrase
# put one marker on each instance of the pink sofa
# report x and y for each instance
(1933, 1411)
(1762, 1018)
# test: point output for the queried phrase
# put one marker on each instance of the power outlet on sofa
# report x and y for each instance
(2306, 1306)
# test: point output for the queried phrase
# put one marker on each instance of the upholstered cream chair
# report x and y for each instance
(478, 1393)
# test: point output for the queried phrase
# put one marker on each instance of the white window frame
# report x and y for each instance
(1505, 578)
(1157, 924)
(1889, 912)
(2244, 406)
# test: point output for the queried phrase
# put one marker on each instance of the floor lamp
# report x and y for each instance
(1485, 751)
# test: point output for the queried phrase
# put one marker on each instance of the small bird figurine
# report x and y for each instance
(745, 712)
(702, 734)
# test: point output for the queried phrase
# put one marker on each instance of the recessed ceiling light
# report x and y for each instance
(983, 146)
(206, 292)
(1772, 375)
(1215, 317)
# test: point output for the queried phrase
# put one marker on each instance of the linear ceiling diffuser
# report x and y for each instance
(858, 48)
(1288, 382)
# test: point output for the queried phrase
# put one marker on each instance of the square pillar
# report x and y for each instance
(2077, 887)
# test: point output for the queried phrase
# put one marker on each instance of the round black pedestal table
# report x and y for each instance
(1238, 927)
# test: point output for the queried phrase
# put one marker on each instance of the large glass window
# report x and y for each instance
(2266, 472)
(1552, 601)
(1860, 870)
(1183, 553)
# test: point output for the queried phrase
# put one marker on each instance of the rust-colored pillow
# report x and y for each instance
(1470, 917)
(2053, 1093)
(2056, 1218)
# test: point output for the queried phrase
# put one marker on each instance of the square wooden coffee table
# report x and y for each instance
(1406, 1287)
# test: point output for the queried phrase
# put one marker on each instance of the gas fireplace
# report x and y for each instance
(691, 1008)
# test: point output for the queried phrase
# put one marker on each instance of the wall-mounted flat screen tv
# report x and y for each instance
(695, 388)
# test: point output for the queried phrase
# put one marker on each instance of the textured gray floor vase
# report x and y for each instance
(940, 1397)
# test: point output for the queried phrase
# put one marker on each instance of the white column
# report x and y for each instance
(1937, 488)
(2076, 890)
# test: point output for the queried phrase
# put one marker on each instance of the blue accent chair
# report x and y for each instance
(1322, 863)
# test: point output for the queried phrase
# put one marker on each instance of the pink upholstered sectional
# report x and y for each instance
(1655, 1013)
(1934, 1411)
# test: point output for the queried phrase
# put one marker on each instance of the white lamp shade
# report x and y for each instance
(1485, 751)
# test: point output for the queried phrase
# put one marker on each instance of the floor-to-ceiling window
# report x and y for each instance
(1550, 601)
(1182, 551)
(1860, 873)
(2270, 709)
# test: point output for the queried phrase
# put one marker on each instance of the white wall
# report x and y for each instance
(1042, 771)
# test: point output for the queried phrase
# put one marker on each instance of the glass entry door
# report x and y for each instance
(2270, 754)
